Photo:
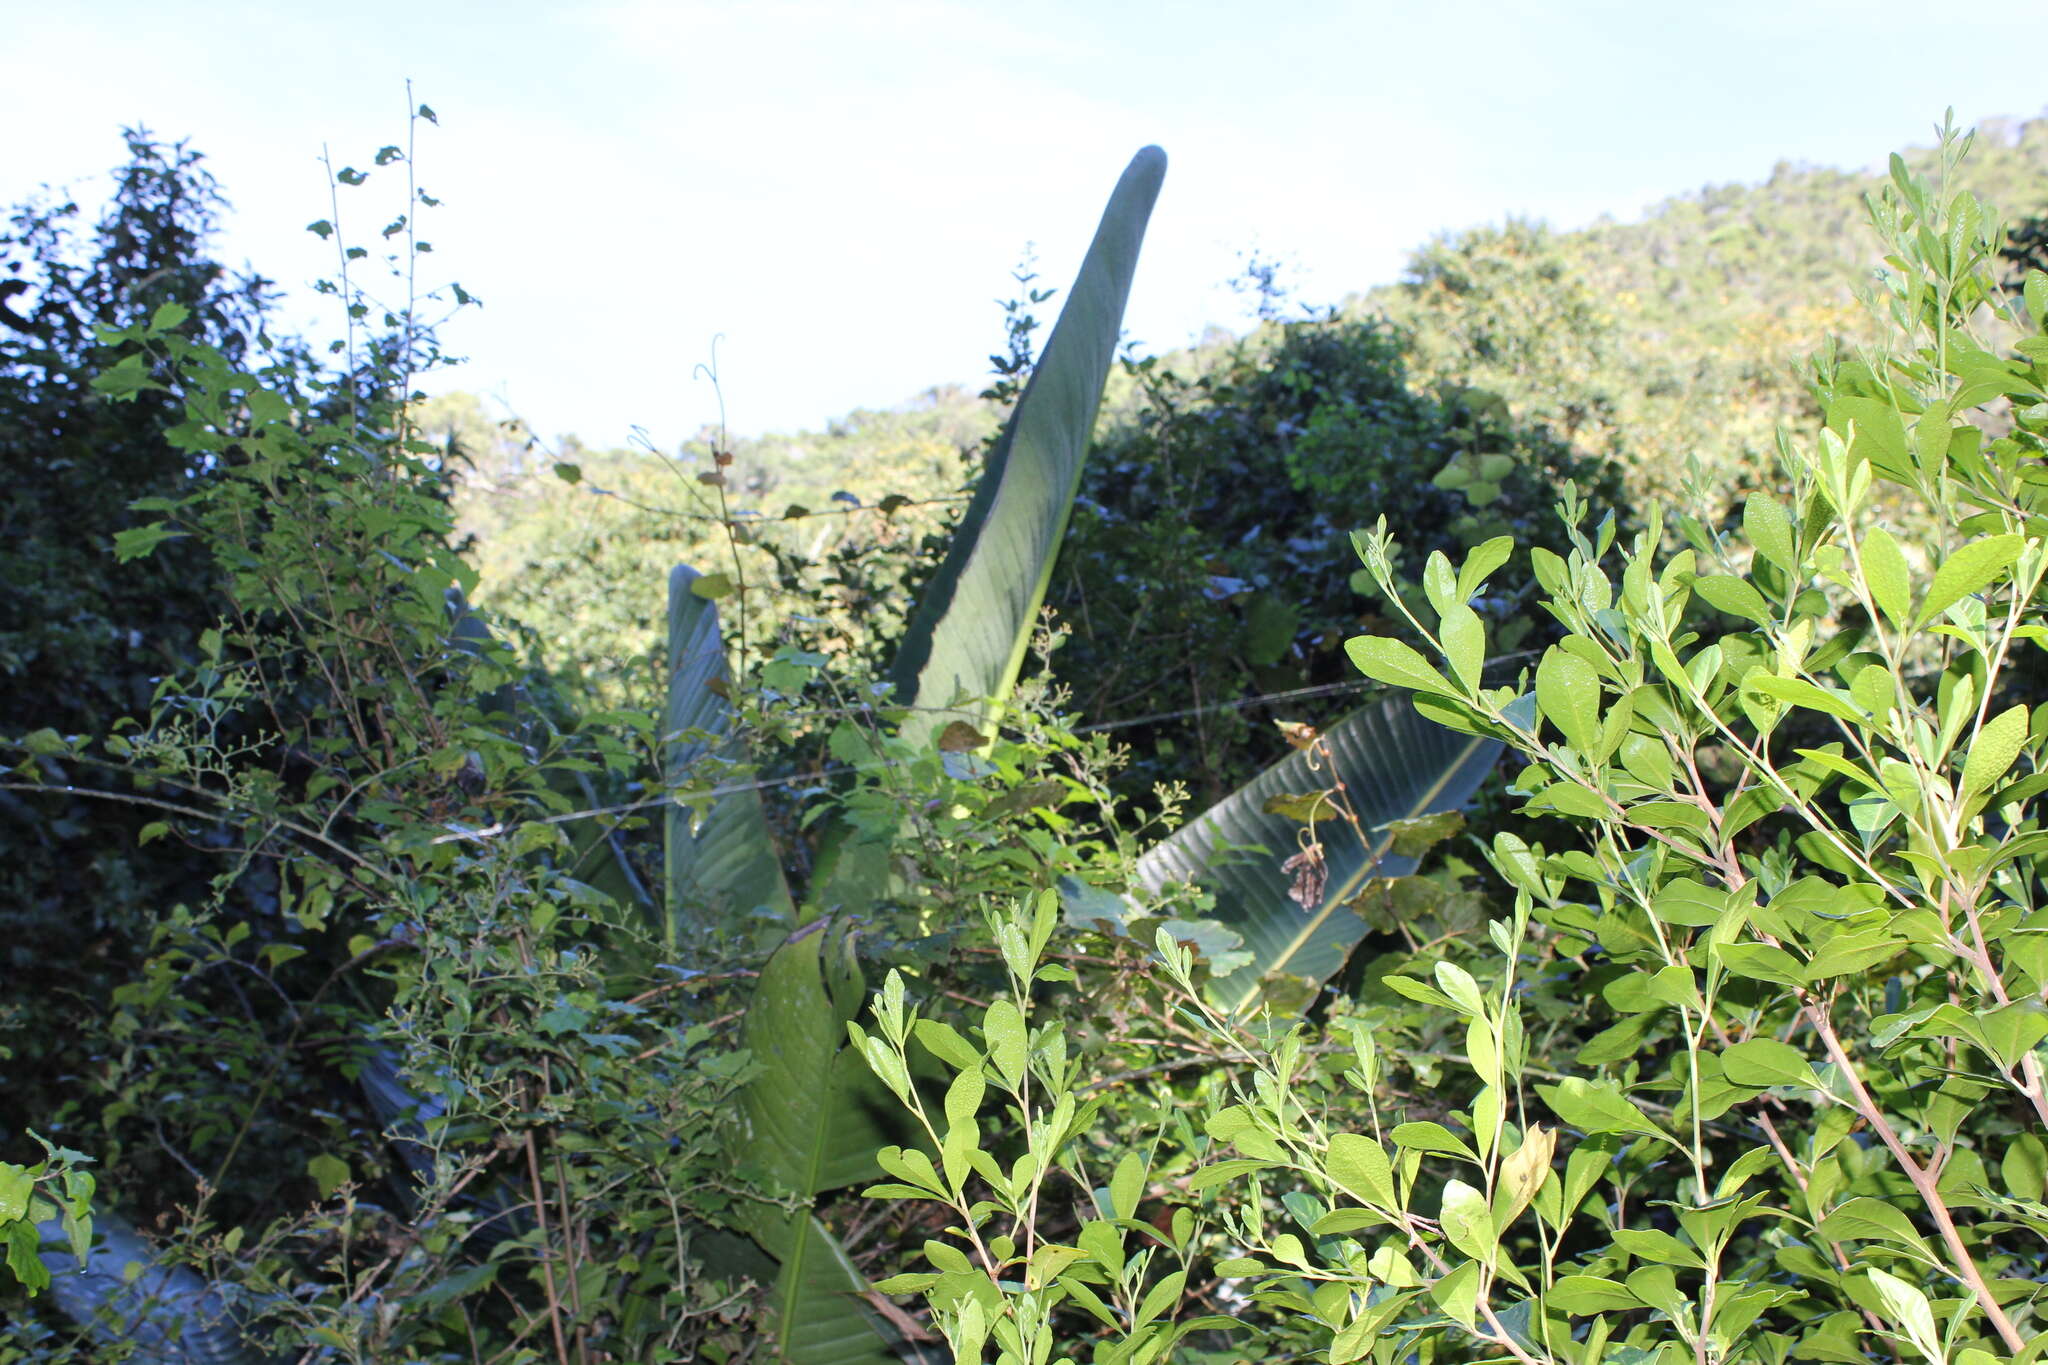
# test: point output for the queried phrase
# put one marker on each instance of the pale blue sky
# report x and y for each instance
(840, 188)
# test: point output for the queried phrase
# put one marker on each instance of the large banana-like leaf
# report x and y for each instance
(123, 1295)
(812, 1120)
(968, 637)
(1394, 765)
(720, 862)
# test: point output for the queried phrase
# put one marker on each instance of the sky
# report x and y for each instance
(828, 196)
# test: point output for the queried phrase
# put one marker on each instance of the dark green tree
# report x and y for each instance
(82, 639)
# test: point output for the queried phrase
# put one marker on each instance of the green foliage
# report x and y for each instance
(993, 1277)
(56, 1190)
(1808, 848)
(1749, 1068)
(1198, 572)
(1334, 819)
(830, 529)
(83, 637)
(408, 1037)
(377, 771)
(968, 636)
(1677, 343)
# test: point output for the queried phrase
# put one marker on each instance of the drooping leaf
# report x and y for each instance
(968, 636)
(1395, 766)
(720, 859)
(125, 1295)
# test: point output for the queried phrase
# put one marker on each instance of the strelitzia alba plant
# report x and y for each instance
(810, 1114)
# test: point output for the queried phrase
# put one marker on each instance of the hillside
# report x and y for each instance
(1668, 344)
(1681, 335)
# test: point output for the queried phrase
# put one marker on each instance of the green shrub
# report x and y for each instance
(1752, 1071)
(1201, 566)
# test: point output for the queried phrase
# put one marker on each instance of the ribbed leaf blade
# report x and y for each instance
(812, 1120)
(123, 1295)
(724, 863)
(1394, 765)
(816, 1316)
(968, 637)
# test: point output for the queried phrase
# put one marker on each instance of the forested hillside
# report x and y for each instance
(1683, 335)
(1663, 352)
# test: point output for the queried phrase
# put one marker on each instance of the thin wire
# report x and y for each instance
(833, 769)
(1238, 704)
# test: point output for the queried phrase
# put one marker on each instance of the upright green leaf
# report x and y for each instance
(721, 860)
(815, 1314)
(811, 1121)
(1394, 765)
(968, 636)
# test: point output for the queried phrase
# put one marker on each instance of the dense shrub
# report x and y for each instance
(1201, 568)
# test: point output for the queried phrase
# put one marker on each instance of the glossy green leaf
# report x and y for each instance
(1568, 693)
(1726, 592)
(1907, 1308)
(1390, 661)
(1827, 700)
(1766, 1061)
(1395, 766)
(1584, 1295)
(968, 636)
(1770, 531)
(1996, 746)
(1003, 1033)
(1596, 1107)
(1873, 1220)
(1360, 1165)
